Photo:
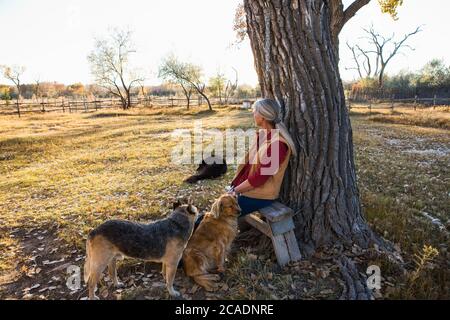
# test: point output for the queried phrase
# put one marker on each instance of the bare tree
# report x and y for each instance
(217, 85)
(193, 76)
(380, 43)
(372, 62)
(356, 54)
(231, 87)
(172, 70)
(110, 65)
(37, 88)
(187, 73)
(14, 73)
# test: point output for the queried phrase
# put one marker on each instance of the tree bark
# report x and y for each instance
(207, 100)
(18, 99)
(187, 94)
(297, 64)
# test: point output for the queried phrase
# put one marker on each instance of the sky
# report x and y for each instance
(52, 38)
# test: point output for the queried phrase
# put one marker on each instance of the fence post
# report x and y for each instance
(434, 102)
(370, 106)
(70, 107)
(392, 102)
(62, 104)
(415, 102)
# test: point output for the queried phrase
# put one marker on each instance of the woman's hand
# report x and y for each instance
(232, 193)
(230, 190)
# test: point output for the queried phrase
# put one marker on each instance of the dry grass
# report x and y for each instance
(69, 173)
(438, 117)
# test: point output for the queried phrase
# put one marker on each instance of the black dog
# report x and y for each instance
(210, 168)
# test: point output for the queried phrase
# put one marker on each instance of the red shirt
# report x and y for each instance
(257, 179)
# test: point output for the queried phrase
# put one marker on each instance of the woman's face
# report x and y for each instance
(259, 120)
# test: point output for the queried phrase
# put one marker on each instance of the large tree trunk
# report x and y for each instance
(296, 60)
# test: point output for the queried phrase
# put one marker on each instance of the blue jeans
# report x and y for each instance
(249, 205)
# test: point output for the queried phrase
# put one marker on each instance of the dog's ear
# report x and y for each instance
(217, 208)
(191, 209)
(176, 204)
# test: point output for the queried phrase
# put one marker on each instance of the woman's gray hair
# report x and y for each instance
(270, 110)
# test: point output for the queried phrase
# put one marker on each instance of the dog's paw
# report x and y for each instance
(174, 293)
(215, 277)
(211, 287)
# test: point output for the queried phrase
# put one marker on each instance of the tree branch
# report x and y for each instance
(350, 13)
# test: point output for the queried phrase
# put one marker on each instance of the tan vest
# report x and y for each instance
(270, 190)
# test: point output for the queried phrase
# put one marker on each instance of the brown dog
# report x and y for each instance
(208, 247)
(161, 241)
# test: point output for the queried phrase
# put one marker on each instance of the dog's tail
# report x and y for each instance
(87, 263)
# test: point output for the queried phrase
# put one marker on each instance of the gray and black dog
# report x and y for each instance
(162, 241)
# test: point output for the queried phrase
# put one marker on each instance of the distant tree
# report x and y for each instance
(187, 73)
(193, 75)
(381, 51)
(76, 90)
(230, 88)
(217, 86)
(14, 74)
(110, 65)
(5, 92)
(174, 71)
(95, 91)
(48, 89)
(360, 67)
(37, 88)
(163, 90)
(245, 91)
(434, 74)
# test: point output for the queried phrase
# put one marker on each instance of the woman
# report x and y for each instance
(258, 181)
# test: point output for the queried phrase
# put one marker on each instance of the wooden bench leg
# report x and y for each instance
(281, 249)
(282, 235)
(284, 241)
(292, 244)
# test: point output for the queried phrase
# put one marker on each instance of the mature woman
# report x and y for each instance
(258, 180)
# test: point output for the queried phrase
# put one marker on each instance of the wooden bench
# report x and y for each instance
(278, 226)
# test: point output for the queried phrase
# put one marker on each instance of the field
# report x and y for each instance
(63, 174)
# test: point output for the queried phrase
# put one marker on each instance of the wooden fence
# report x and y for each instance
(64, 105)
(413, 103)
